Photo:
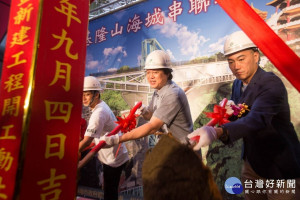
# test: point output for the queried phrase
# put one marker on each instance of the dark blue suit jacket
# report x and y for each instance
(270, 142)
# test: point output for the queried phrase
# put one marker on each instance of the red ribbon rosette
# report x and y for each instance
(219, 116)
(127, 123)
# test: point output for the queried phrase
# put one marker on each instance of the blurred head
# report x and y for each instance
(158, 69)
(91, 91)
(163, 178)
(242, 56)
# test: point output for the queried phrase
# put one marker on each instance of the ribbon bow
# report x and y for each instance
(219, 116)
(127, 123)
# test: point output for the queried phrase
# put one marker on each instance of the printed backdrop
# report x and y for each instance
(191, 31)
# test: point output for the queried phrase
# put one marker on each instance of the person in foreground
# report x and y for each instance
(174, 171)
(103, 120)
(168, 111)
(271, 149)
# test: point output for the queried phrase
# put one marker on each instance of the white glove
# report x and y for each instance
(110, 140)
(207, 135)
(140, 110)
(228, 108)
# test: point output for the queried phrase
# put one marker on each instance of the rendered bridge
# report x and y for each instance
(185, 76)
(191, 78)
(136, 82)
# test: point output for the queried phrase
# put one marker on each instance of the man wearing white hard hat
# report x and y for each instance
(271, 149)
(168, 111)
(102, 121)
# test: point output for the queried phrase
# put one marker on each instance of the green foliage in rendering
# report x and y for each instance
(115, 101)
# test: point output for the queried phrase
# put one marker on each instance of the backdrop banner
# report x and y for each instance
(193, 33)
(41, 99)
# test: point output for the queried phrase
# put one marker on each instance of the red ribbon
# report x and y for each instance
(219, 116)
(284, 59)
(125, 124)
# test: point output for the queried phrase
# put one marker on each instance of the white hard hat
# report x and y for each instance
(158, 59)
(237, 41)
(91, 83)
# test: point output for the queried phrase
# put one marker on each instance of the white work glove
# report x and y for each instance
(228, 108)
(207, 135)
(110, 140)
(140, 110)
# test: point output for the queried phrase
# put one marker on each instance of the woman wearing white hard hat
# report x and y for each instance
(168, 111)
(102, 120)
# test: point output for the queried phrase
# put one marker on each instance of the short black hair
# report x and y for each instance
(168, 72)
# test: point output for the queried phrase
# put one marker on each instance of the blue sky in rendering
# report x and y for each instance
(192, 35)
